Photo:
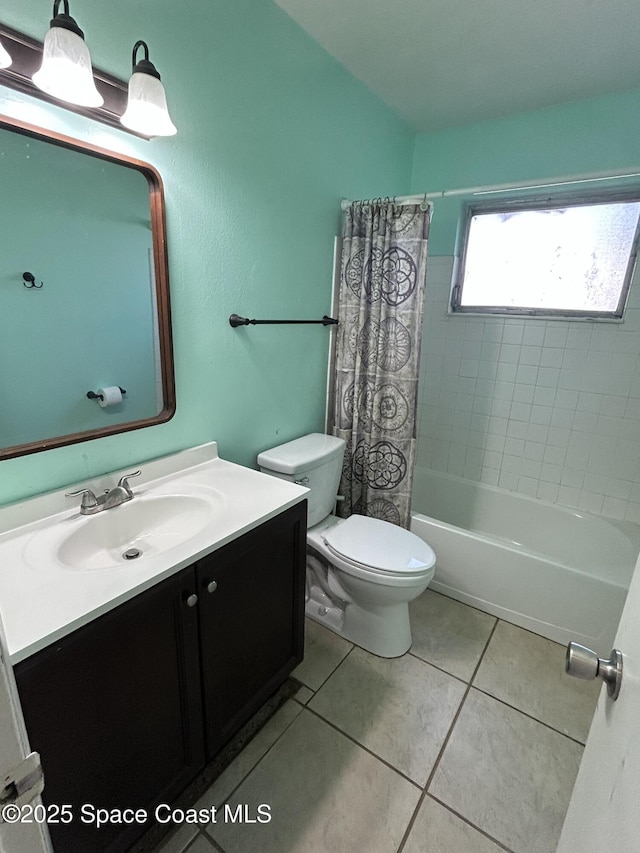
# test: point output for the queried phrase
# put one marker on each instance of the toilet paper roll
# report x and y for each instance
(109, 396)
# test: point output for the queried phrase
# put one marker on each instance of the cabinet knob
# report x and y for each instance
(212, 586)
(191, 599)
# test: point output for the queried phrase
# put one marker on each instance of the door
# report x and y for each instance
(251, 600)
(25, 837)
(114, 709)
(604, 812)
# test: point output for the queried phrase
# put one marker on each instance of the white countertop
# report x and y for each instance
(42, 599)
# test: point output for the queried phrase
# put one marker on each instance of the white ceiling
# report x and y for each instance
(440, 63)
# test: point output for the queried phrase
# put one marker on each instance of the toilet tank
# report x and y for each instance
(314, 461)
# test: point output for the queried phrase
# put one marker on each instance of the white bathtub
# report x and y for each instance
(559, 572)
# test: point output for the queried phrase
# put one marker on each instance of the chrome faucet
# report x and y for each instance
(91, 504)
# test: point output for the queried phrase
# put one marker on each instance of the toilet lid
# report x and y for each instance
(381, 545)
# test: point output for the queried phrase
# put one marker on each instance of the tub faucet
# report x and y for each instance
(91, 504)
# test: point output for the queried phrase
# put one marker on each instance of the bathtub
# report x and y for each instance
(559, 572)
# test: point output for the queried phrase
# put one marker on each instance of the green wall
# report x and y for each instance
(597, 135)
(272, 133)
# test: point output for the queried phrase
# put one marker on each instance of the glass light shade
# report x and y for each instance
(147, 111)
(5, 58)
(66, 71)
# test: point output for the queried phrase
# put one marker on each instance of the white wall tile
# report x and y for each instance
(552, 357)
(534, 333)
(547, 408)
(517, 429)
(614, 508)
(527, 374)
(551, 473)
(545, 396)
(523, 393)
(530, 355)
(541, 415)
(512, 334)
(547, 491)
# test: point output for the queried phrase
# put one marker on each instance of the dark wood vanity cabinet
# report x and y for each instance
(114, 710)
(128, 709)
(251, 601)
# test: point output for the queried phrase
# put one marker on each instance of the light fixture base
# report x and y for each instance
(26, 55)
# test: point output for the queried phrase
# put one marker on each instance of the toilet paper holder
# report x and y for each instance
(93, 396)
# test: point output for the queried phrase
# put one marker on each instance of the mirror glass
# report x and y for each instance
(84, 293)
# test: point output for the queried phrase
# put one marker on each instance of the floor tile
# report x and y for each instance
(323, 651)
(437, 830)
(327, 795)
(303, 695)
(507, 774)
(201, 845)
(527, 671)
(400, 709)
(250, 755)
(177, 842)
(449, 634)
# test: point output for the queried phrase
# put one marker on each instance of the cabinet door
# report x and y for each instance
(115, 711)
(251, 621)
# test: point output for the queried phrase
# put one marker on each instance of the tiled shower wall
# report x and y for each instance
(546, 408)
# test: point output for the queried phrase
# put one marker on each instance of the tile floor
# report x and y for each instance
(470, 743)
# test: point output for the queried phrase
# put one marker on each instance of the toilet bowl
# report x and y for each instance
(361, 572)
(372, 580)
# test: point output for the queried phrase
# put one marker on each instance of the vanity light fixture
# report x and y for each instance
(147, 111)
(5, 58)
(66, 71)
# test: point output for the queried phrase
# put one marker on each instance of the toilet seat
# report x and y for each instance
(379, 547)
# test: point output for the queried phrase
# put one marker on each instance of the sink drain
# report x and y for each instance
(131, 553)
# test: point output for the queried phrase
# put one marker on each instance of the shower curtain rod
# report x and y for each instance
(505, 188)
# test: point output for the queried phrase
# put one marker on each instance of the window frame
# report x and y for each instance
(548, 202)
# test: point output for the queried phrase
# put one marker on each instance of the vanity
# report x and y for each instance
(133, 673)
(148, 626)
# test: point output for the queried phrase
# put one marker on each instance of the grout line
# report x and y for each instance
(472, 825)
(528, 715)
(439, 668)
(444, 744)
(305, 687)
(303, 708)
(528, 630)
(515, 708)
(336, 667)
(214, 845)
(365, 748)
(464, 699)
(262, 757)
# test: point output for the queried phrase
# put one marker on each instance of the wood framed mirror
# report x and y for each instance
(84, 292)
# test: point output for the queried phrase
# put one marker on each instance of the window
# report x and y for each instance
(557, 257)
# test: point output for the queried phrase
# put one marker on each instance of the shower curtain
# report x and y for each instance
(381, 299)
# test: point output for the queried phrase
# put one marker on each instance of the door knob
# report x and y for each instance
(191, 599)
(582, 662)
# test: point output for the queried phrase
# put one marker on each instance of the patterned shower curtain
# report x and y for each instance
(383, 266)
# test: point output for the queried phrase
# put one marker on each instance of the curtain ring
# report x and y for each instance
(424, 204)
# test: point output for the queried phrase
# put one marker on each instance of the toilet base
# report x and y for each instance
(384, 631)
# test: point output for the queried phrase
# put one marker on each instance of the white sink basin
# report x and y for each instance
(143, 527)
(146, 525)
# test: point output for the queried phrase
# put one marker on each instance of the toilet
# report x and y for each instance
(361, 572)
